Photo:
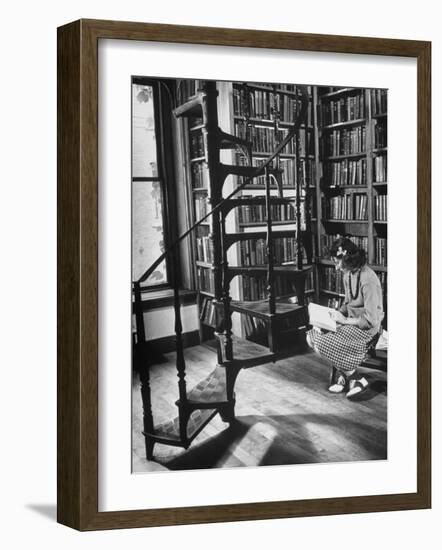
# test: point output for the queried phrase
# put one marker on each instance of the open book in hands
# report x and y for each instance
(322, 317)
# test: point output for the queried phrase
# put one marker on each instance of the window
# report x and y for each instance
(148, 187)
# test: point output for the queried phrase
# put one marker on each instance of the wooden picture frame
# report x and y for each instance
(78, 274)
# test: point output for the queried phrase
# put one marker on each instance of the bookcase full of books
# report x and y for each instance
(351, 182)
(340, 177)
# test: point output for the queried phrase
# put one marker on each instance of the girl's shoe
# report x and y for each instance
(357, 387)
(339, 385)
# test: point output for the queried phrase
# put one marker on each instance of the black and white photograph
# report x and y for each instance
(259, 274)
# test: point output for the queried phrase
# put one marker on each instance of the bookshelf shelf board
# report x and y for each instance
(262, 88)
(257, 224)
(379, 221)
(268, 122)
(379, 267)
(200, 189)
(379, 183)
(380, 150)
(379, 115)
(197, 159)
(352, 188)
(339, 92)
(206, 265)
(344, 124)
(204, 223)
(343, 157)
(264, 154)
(309, 291)
(328, 220)
(331, 292)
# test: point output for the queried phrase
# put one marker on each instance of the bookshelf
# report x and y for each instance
(339, 178)
(351, 180)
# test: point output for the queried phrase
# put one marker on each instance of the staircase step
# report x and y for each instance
(261, 270)
(169, 432)
(231, 238)
(256, 201)
(211, 390)
(191, 108)
(261, 309)
(247, 354)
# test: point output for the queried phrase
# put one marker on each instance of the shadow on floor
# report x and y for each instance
(48, 511)
(257, 440)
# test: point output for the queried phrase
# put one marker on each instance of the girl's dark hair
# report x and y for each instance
(351, 255)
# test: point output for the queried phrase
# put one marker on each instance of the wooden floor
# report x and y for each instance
(285, 416)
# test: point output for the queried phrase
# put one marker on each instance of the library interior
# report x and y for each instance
(250, 201)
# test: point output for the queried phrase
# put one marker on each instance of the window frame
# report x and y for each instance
(166, 180)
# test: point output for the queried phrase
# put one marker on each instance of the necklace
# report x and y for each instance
(357, 285)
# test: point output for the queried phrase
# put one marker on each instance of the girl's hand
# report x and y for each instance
(338, 317)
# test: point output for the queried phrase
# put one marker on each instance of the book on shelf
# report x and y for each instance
(196, 144)
(254, 252)
(380, 251)
(253, 213)
(380, 207)
(380, 168)
(378, 99)
(343, 109)
(204, 249)
(200, 175)
(208, 312)
(380, 135)
(332, 280)
(205, 279)
(345, 142)
(346, 207)
(345, 172)
(327, 241)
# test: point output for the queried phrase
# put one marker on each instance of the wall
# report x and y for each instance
(28, 99)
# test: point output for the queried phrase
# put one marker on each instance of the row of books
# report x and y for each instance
(345, 141)
(343, 109)
(346, 172)
(380, 136)
(254, 252)
(328, 240)
(201, 205)
(251, 213)
(196, 144)
(382, 276)
(267, 104)
(200, 175)
(208, 312)
(380, 251)
(256, 288)
(204, 249)
(286, 166)
(378, 99)
(380, 208)
(263, 138)
(346, 207)
(205, 279)
(332, 280)
(335, 303)
(380, 168)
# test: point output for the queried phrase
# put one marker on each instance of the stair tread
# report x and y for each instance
(246, 235)
(260, 308)
(170, 430)
(211, 389)
(279, 268)
(191, 108)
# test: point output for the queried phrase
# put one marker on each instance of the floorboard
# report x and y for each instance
(285, 416)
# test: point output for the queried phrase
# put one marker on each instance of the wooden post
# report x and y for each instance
(227, 313)
(140, 352)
